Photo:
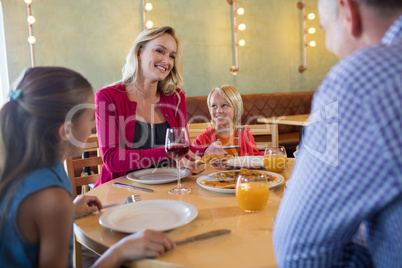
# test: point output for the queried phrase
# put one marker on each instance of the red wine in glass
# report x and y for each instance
(176, 146)
(177, 151)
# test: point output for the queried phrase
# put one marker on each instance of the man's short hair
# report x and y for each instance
(382, 4)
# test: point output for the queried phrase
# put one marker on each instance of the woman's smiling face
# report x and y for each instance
(221, 113)
(157, 58)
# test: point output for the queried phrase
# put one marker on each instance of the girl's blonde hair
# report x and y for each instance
(233, 98)
(131, 68)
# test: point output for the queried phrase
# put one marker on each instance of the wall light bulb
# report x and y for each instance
(240, 11)
(28, 2)
(242, 27)
(242, 42)
(148, 7)
(311, 30)
(149, 24)
(311, 16)
(31, 39)
(234, 70)
(31, 19)
(312, 44)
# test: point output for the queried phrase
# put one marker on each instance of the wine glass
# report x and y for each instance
(176, 146)
(252, 192)
(275, 159)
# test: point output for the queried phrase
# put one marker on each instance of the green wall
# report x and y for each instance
(94, 36)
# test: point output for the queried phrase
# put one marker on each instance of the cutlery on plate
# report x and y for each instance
(203, 236)
(129, 199)
(118, 184)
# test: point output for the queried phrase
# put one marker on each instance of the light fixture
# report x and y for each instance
(146, 24)
(235, 69)
(31, 39)
(149, 24)
(303, 35)
(148, 7)
(242, 42)
(31, 19)
(312, 44)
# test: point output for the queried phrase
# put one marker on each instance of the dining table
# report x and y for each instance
(249, 244)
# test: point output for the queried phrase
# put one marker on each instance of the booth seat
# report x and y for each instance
(261, 105)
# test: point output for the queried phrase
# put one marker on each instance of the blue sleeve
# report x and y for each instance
(345, 173)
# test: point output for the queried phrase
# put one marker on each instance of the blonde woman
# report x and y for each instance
(132, 115)
(226, 109)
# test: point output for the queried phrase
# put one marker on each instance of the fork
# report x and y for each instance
(195, 172)
(128, 200)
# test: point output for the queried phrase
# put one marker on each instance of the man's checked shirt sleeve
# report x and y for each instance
(343, 204)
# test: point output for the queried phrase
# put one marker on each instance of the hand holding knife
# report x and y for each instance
(122, 185)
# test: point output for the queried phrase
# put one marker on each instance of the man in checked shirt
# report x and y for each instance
(343, 203)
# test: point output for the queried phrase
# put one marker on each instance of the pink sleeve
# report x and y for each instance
(248, 145)
(253, 145)
(115, 149)
(205, 139)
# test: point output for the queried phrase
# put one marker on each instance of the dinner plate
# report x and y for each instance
(256, 161)
(160, 215)
(279, 179)
(157, 175)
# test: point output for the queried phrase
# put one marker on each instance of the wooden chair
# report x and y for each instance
(196, 129)
(263, 130)
(80, 182)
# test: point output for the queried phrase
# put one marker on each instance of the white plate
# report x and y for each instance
(157, 175)
(279, 180)
(256, 161)
(160, 215)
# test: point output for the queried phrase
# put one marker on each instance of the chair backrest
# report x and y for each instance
(196, 129)
(265, 130)
(78, 163)
(255, 129)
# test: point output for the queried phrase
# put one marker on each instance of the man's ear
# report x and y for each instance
(351, 13)
(65, 131)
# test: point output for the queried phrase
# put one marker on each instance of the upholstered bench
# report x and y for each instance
(261, 105)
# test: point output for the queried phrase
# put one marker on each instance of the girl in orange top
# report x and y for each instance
(226, 108)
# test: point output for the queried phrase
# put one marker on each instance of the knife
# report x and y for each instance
(203, 236)
(122, 185)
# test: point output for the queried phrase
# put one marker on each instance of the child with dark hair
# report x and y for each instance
(37, 210)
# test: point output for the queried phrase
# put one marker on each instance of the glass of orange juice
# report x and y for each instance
(275, 159)
(252, 192)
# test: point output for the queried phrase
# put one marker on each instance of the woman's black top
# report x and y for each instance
(148, 136)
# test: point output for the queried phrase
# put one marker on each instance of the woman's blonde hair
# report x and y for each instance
(233, 98)
(131, 68)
